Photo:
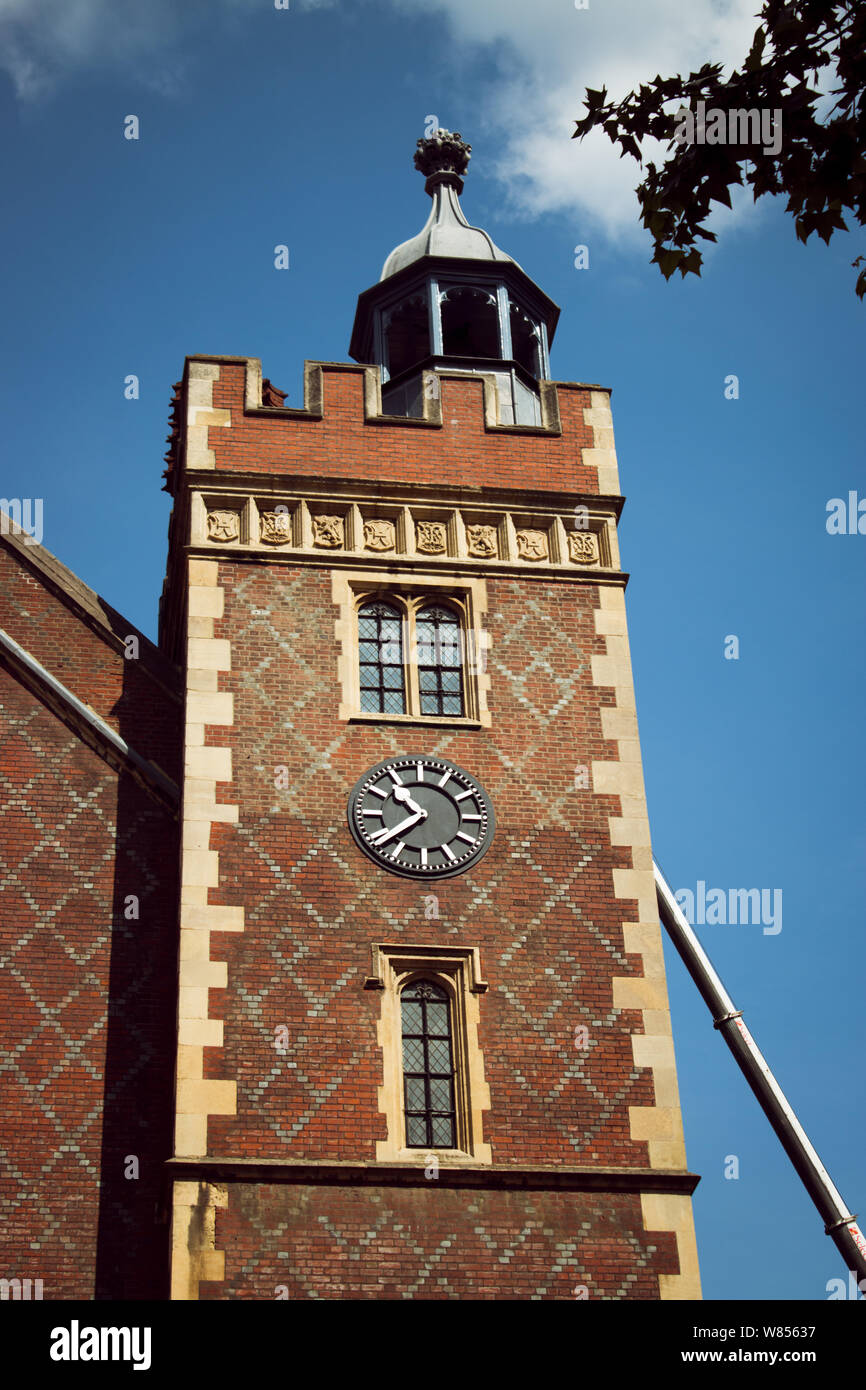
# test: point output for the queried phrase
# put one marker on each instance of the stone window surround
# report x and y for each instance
(409, 605)
(468, 596)
(458, 970)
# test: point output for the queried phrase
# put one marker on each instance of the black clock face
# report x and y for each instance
(421, 816)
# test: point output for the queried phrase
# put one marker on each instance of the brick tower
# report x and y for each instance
(424, 1048)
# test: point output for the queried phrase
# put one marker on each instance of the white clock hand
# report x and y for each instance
(403, 794)
(383, 836)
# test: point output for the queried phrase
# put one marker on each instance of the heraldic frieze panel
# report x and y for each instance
(485, 536)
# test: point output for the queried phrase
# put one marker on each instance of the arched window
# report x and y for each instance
(470, 323)
(408, 335)
(428, 1068)
(416, 657)
(440, 660)
(525, 340)
(380, 654)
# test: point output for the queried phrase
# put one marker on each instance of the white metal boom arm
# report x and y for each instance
(838, 1221)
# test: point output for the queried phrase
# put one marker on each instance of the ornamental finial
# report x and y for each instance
(443, 157)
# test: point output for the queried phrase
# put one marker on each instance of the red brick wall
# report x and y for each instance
(122, 692)
(461, 453)
(540, 904)
(431, 1242)
(87, 997)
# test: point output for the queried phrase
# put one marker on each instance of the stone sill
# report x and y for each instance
(442, 721)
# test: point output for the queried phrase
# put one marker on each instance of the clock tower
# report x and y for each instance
(424, 1048)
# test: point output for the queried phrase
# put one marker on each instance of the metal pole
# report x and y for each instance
(839, 1223)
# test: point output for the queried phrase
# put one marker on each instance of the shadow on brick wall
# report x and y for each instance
(134, 1214)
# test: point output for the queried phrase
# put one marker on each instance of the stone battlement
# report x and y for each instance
(341, 431)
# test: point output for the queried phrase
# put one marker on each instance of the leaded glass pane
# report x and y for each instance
(439, 1054)
(442, 1132)
(427, 1070)
(423, 989)
(416, 1133)
(438, 653)
(413, 1054)
(440, 1095)
(415, 1096)
(380, 651)
(437, 615)
(412, 1019)
(437, 1019)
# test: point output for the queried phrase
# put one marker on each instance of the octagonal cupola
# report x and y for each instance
(450, 299)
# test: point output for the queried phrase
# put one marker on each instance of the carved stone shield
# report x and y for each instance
(481, 541)
(432, 538)
(276, 527)
(223, 526)
(328, 532)
(583, 547)
(532, 545)
(379, 535)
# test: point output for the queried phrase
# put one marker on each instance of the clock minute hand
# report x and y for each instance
(384, 836)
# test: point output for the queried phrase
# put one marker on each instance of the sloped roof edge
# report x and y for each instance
(87, 605)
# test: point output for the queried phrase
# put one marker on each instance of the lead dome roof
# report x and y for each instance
(443, 158)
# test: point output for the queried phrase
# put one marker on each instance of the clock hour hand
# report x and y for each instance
(403, 794)
(383, 836)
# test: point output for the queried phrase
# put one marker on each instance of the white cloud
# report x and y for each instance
(538, 57)
(545, 53)
(41, 41)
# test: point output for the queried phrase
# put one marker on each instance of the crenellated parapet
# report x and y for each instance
(343, 430)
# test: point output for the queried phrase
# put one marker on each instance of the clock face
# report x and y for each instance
(421, 816)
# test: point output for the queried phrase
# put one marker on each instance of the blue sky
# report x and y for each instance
(260, 127)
